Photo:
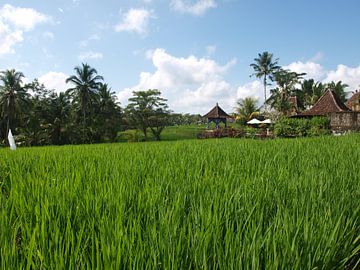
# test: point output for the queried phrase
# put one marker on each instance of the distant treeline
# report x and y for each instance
(88, 112)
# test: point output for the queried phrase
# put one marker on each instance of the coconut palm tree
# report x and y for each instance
(287, 82)
(339, 89)
(310, 92)
(245, 108)
(86, 83)
(13, 97)
(265, 67)
(108, 115)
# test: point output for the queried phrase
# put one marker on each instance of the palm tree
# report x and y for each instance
(108, 114)
(287, 82)
(265, 67)
(310, 92)
(86, 83)
(245, 108)
(339, 89)
(13, 97)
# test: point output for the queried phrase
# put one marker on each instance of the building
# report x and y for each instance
(354, 102)
(342, 118)
(216, 115)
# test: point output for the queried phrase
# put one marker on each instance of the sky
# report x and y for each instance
(196, 52)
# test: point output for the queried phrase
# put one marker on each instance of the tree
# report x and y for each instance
(310, 92)
(108, 114)
(339, 89)
(245, 108)
(86, 83)
(265, 67)
(287, 82)
(13, 97)
(147, 109)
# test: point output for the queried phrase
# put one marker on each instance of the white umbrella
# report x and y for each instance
(11, 141)
(254, 121)
(266, 121)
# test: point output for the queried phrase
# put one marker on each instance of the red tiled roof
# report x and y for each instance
(327, 103)
(217, 112)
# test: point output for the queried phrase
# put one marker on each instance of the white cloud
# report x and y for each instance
(317, 57)
(90, 55)
(194, 85)
(348, 75)
(85, 43)
(55, 80)
(313, 70)
(253, 89)
(190, 84)
(211, 49)
(14, 22)
(197, 8)
(8, 38)
(22, 18)
(135, 20)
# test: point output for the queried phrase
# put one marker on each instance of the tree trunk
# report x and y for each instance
(265, 107)
(84, 125)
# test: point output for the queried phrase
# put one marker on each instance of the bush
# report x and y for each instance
(319, 126)
(294, 127)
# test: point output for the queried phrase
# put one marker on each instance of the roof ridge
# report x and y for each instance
(334, 99)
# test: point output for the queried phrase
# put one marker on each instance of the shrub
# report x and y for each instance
(294, 127)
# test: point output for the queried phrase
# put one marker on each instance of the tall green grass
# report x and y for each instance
(210, 204)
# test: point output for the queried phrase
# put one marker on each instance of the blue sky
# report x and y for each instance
(197, 52)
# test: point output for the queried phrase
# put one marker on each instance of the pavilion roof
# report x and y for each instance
(217, 112)
(329, 102)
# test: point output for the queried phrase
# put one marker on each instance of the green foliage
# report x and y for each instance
(287, 82)
(295, 127)
(88, 112)
(245, 108)
(147, 110)
(265, 67)
(196, 204)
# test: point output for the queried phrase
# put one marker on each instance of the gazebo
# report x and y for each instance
(216, 115)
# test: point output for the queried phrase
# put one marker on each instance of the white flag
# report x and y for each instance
(11, 141)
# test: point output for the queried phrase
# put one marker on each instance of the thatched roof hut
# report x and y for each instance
(217, 112)
(217, 115)
(329, 102)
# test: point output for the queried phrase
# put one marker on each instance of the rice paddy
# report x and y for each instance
(209, 204)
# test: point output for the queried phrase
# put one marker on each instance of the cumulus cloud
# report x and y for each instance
(253, 89)
(55, 81)
(313, 70)
(197, 8)
(90, 55)
(190, 84)
(348, 75)
(135, 20)
(14, 21)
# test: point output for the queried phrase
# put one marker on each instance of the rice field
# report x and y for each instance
(209, 204)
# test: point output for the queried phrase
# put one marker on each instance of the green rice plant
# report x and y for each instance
(195, 204)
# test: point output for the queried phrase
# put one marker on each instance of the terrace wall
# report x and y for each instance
(345, 121)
